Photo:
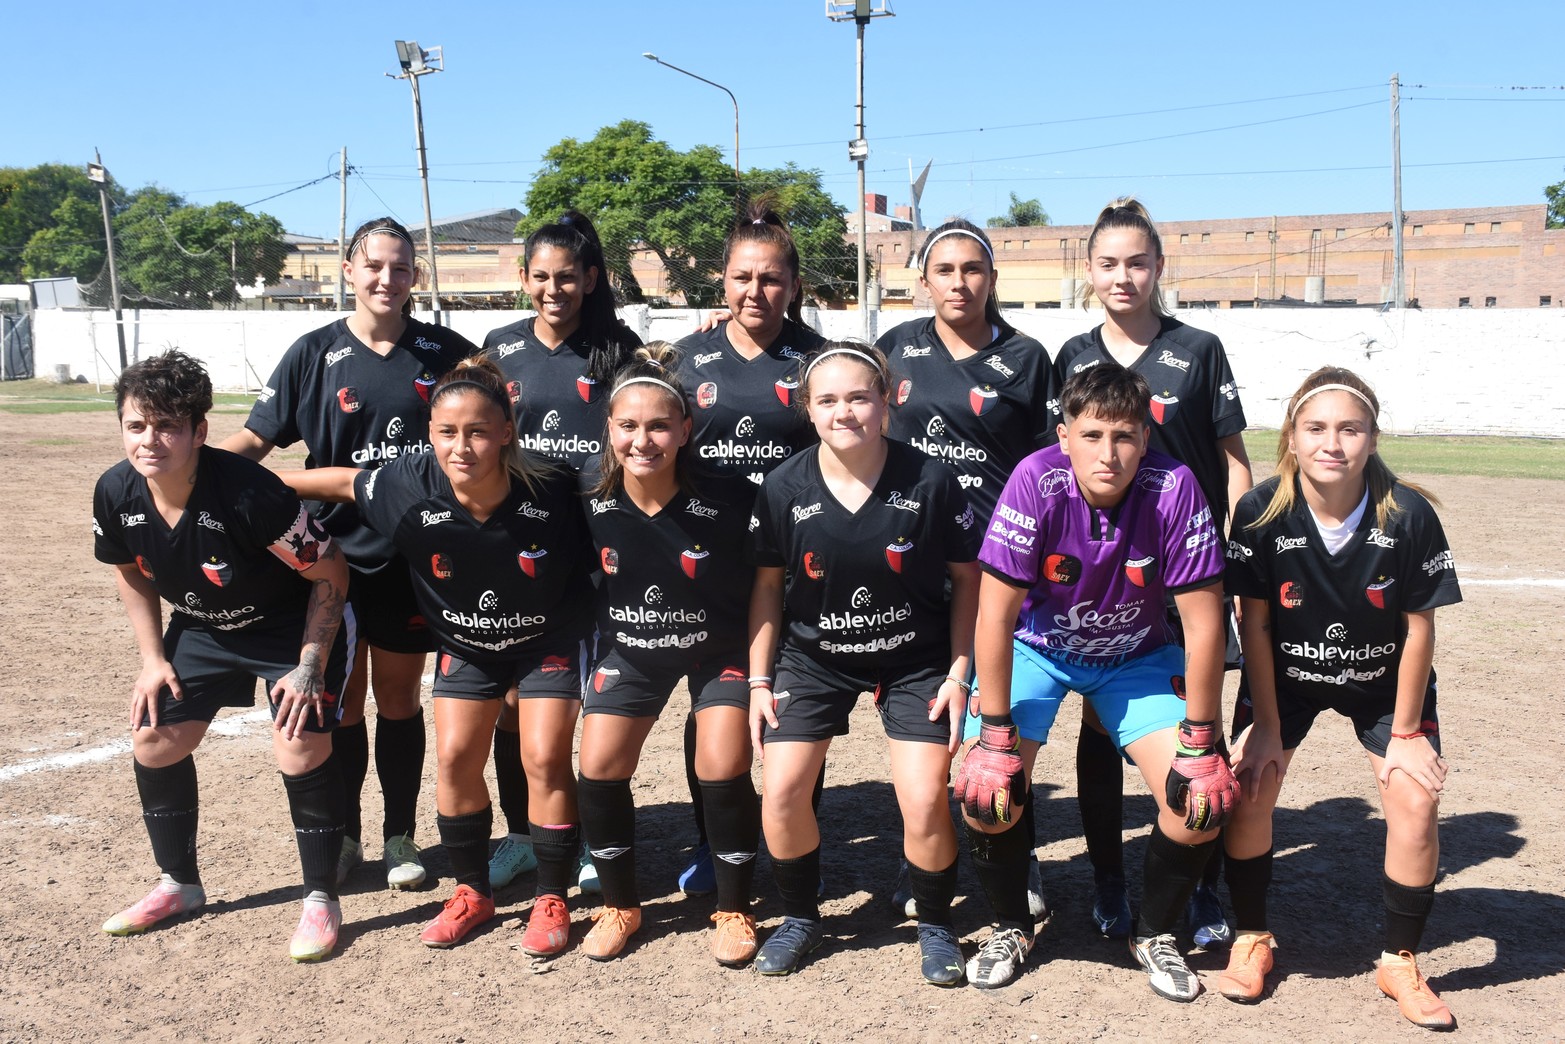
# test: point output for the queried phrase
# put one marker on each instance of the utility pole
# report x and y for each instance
(418, 62)
(1398, 297)
(342, 233)
(96, 173)
(860, 12)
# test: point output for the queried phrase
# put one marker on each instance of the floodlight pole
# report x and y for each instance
(1398, 296)
(96, 173)
(417, 62)
(649, 56)
(860, 11)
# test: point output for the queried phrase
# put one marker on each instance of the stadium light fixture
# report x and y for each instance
(649, 56)
(416, 62)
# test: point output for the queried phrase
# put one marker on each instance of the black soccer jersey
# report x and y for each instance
(676, 585)
(981, 414)
(746, 416)
(215, 567)
(355, 408)
(862, 584)
(1336, 620)
(1195, 400)
(492, 590)
(561, 409)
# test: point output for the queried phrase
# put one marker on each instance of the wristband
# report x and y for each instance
(1409, 735)
(959, 682)
(753, 679)
(998, 720)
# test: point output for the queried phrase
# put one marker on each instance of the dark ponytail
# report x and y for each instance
(610, 340)
(760, 223)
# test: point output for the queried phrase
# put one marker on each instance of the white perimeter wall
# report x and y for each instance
(1483, 371)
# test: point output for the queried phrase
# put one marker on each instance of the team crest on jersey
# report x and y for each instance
(1176, 684)
(982, 399)
(1062, 569)
(895, 552)
(424, 384)
(1376, 592)
(554, 664)
(604, 678)
(609, 558)
(785, 389)
(220, 573)
(531, 560)
(514, 390)
(348, 400)
(814, 565)
(440, 566)
(1054, 482)
(1163, 407)
(143, 568)
(694, 561)
(1290, 595)
(706, 395)
(1139, 571)
(586, 387)
(904, 389)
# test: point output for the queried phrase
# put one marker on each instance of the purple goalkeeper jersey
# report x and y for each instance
(1097, 578)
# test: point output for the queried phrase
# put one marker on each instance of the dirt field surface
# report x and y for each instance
(73, 851)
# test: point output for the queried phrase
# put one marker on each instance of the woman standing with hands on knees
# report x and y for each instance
(356, 393)
(865, 581)
(1340, 566)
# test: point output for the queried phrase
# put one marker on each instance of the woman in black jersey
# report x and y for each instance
(866, 580)
(356, 393)
(671, 606)
(256, 589)
(499, 555)
(557, 366)
(1198, 420)
(1340, 566)
(744, 375)
(973, 392)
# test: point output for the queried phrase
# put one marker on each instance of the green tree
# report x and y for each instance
(642, 193)
(29, 199)
(72, 246)
(1555, 194)
(1023, 213)
(192, 256)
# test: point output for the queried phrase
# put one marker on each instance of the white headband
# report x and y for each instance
(975, 237)
(828, 353)
(649, 380)
(1373, 413)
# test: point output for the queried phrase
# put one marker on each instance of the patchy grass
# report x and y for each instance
(43, 396)
(1486, 456)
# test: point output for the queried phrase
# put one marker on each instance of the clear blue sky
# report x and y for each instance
(1203, 110)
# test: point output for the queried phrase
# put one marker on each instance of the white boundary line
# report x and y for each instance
(236, 725)
(1521, 581)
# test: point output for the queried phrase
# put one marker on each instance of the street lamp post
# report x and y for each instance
(860, 12)
(649, 56)
(416, 62)
(100, 177)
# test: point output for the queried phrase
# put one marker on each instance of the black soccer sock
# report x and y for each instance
(511, 780)
(608, 819)
(1407, 909)
(1001, 862)
(558, 850)
(1214, 868)
(350, 749)
(1100, 794)
(169, 808)
(733, 813)
(315, 804)
(1030, 823)
(693, 782)
(797, 881)
(466, 841)
(1249, 880)
(1169, 875)
(399, 762)
(934, 891)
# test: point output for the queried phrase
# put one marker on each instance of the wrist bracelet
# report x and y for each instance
(1409, 735)
(959, 682)
(760, 683)
(759, 678)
